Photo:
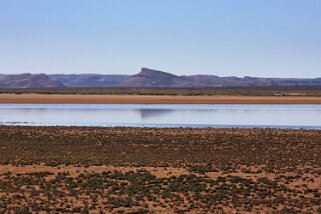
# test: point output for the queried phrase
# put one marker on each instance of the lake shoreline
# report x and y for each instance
(307, 116)
(152, 99)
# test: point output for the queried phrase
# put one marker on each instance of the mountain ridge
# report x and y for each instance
(27, 80)
(146, 78)
(154, 78)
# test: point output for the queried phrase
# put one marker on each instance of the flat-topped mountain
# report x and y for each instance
(153, 78)
(28, 81)
(145, 78)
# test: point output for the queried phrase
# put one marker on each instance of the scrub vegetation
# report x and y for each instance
(242, 91)
(146, 170)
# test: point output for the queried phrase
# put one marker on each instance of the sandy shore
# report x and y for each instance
(147, 99)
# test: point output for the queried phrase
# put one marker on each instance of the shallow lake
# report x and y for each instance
(167, 115)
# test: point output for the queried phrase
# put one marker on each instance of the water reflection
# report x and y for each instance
(150, 113)
(162, 115)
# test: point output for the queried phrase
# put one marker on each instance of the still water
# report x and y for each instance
(167, 115)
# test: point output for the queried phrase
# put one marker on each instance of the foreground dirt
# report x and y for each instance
(146, 170)
(148, 99)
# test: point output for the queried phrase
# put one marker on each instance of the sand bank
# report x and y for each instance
(147, 99)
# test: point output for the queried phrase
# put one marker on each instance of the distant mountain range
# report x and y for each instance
(146, 78)
(90, 80)
(28, 81)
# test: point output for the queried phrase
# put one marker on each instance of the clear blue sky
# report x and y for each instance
(272, 38)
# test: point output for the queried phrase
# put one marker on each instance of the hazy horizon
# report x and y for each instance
(183, 37)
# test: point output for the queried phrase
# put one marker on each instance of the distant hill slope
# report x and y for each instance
(145, 78)
(90, 80)
(28, 81)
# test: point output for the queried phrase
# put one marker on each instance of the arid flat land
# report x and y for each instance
(161, 170)
(153, 99)
(309, 91)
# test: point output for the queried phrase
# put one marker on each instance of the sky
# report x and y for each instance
(264, 38)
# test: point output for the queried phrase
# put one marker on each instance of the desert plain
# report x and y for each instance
(159, 170)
